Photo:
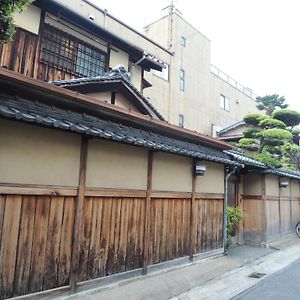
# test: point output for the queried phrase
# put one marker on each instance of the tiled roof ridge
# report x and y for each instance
(117, 73)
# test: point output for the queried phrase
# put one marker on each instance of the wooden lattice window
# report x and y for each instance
(71, 54)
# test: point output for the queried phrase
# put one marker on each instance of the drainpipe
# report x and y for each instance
(228, 173)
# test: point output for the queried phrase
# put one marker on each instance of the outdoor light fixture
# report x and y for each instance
(283, 182)
(199, 170)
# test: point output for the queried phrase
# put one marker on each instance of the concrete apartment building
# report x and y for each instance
(169, 63)
(197, 92)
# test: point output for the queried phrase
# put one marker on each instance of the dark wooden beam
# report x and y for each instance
(263, 210)
(147, 211)
(78, 220)
(192, 214)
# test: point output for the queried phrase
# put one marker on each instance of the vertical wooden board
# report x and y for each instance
(180, 228)
(94, 249)
(285, 217)
(29, 55)
(19, 45)
(163, 232)
(65, 250)
(187, 225)
(141, 232)
(117, 228)
(214, 223)
(53, 243)
(2, 212)
(272, 219)
(159, 230)
(9, 244)
(26, 232)
(86, 237)
(39, 244)
(175, 228)
(172, 253)
(136, 228)
(204, 220)
(111, 245)
(105, 231)
(130, 228)
(151, 231)
(6, 55)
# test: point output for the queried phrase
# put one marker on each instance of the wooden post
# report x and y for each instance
(279, 208)
(291, 206)
(192, 214)
(147, 211)
(78, 219)
(263, 210)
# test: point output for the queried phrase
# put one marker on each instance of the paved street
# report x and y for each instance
(284, 284)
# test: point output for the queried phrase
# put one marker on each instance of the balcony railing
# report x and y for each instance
(245, 90)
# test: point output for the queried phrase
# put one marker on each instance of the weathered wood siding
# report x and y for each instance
(274, 214)
(36, 236)
(209, 224)
(22, 56)
(35, 243)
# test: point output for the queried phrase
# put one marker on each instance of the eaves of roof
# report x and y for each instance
(20, 84)
(231, 126)
(81, 123)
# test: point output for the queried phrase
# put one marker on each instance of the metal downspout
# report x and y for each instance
(228, 173)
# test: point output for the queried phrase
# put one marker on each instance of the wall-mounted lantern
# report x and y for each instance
(283, 182)
(199, 169)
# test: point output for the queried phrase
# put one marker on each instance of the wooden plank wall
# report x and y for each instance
(209, 224)
(36, 235)
(35, 243)
(22, 56)
(281, 215)
(252, 206)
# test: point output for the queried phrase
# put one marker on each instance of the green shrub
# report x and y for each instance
(268, 160)
(234, 216)
(250, 133)
(288, 116)
(7, 9)
(248, 144)
(254, 118)
(271, 123)
(275, 133)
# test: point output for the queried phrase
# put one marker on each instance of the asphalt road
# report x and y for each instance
(284, 284)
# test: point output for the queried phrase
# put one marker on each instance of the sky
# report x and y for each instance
(256, 42)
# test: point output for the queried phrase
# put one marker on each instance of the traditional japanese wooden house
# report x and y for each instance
(89, 189)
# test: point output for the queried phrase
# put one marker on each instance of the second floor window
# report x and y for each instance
(183, 41)
(70, 54)
(224, 102)
(181, 80)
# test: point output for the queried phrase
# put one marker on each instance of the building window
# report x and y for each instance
(181, 80)
(163, 74)
(183, 41)
(224, 102)
(181, 121)
(70, 54)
